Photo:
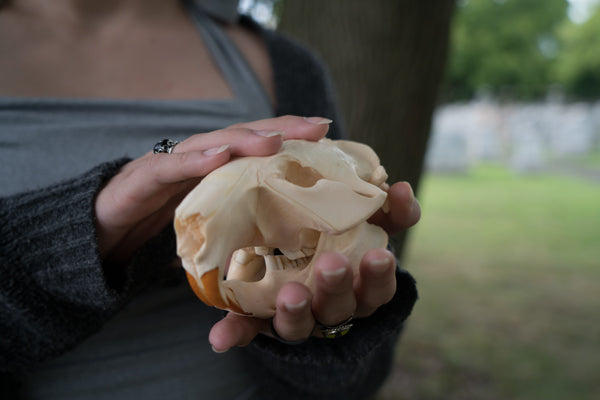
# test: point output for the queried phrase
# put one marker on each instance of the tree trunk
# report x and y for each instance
(387, 59)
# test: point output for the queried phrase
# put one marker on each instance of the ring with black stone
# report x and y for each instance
(165, 146)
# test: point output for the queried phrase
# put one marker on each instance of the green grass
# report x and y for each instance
(590, 160)
(508, 269)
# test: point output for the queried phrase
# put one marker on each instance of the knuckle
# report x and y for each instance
(182, 160)
(150, 163)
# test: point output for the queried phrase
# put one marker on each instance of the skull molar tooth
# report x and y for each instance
(241, 256)
(308, 252)
(262, 250)
(278, 263)
(273, 263)
(293, 254)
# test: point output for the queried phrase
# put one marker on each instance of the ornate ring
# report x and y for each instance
(334, 332)
(165, 146)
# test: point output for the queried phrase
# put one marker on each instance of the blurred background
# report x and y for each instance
(490, 108)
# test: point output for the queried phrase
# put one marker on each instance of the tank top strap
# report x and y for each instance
(232, 64)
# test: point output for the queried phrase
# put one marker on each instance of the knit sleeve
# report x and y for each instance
(52, 288)
(350, 367)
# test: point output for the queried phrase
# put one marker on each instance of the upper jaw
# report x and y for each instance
(263, 258)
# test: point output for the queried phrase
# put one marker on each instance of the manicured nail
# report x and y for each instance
(318, 120)
(216, 150)
(295, 307)
(218, 351)
(334, 276)
(412, 193)
(269, 133)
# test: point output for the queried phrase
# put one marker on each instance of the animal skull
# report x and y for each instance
(257, 223)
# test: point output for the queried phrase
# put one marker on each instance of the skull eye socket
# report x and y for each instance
(302, 176)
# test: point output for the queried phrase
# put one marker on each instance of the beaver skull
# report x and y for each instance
(257, 223)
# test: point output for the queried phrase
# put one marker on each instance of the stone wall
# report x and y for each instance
(524, 136)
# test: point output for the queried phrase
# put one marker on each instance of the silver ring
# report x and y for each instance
(334, 332)
(165, 146)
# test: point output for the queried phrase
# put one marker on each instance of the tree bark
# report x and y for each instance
(387, 59)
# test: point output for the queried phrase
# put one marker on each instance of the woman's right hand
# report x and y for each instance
(138, 202)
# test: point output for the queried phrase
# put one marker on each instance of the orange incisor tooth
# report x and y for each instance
(197, 291)
(211, 295)
(212, 288)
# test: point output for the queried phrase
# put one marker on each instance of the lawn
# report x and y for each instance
(508, 270)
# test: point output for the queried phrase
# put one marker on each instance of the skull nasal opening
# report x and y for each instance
(302, 176)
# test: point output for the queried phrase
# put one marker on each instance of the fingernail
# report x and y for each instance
(269, 133)
(216, 150)
(334, 276)
(379, 265)
(295, 307)
(415, 206)
(318, 120)
(218, 351)
(415, 203)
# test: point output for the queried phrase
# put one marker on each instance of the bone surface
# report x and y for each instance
(257, 223)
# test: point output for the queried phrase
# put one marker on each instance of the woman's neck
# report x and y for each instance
(95, 14)
(105, 49)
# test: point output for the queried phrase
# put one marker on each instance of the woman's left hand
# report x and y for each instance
(140, 200)
(338, 295)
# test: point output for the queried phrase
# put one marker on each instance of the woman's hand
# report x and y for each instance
(338, 295)
(138, 202)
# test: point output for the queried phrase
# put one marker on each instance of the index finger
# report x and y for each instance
(293, 127)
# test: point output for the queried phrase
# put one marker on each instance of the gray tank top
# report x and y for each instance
(46, 140)
(157, 347)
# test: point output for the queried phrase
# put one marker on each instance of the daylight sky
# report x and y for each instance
(580, 10)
